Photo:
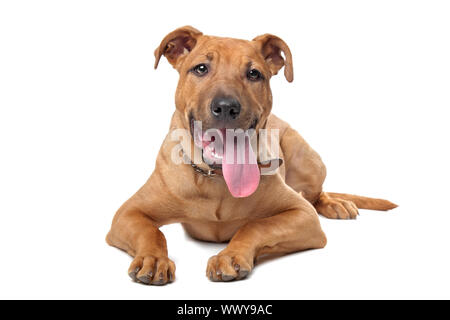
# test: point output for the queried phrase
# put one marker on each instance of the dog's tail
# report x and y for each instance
(365, 202)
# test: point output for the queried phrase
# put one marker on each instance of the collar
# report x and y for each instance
(270, 166)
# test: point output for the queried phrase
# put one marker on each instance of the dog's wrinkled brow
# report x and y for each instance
(202, 57)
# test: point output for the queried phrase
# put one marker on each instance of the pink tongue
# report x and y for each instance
(242, 174)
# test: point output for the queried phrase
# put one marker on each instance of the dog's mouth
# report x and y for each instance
(231, 150)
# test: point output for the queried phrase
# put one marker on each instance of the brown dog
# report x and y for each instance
(224, 83)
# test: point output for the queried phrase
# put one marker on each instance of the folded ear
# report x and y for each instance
(176, 44)
(271, 47)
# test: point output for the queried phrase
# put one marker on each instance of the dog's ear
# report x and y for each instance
(176, 44)
(271, 47)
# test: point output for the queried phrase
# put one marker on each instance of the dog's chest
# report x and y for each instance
(212, 202)
(217, 210)
(213, 230)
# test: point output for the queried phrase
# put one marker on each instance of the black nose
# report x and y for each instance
(225, 108)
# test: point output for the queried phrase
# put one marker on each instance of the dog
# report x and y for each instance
(224, 84)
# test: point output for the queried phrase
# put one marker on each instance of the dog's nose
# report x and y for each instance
(225, 108)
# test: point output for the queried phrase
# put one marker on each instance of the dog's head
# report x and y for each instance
(224, 82)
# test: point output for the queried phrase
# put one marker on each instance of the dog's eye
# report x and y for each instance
(254, 75)
(200, 70)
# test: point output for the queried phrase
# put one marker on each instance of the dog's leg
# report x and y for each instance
(293, 230)
(345, 206)
(335, 208)
(305, 173)
(136, 233)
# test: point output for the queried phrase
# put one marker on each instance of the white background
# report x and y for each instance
(83, 113)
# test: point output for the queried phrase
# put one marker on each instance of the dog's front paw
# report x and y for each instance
(228, 266)
(152, 270)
